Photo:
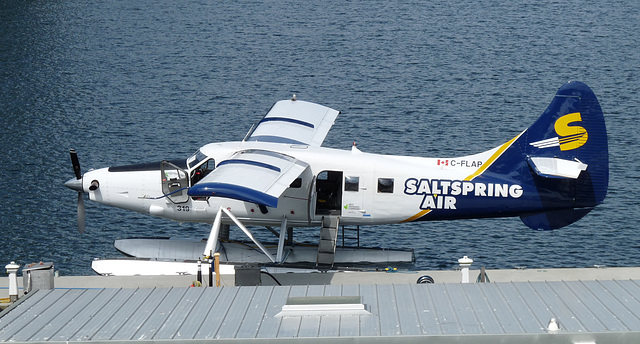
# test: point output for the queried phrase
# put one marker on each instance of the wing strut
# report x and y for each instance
(283, 230)
(212, 242)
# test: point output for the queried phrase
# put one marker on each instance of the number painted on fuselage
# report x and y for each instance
(459, 163)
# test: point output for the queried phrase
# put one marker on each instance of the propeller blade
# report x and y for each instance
(80, 212)
(76, 184)
(76, 163)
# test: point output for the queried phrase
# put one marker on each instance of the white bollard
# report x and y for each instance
(12, 270)
(465, 263)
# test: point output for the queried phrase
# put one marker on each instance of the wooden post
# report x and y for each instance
(216, 259)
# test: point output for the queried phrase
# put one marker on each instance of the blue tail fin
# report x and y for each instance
(568, 155)
(561, 161)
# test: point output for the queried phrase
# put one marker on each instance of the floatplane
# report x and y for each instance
(550, 175)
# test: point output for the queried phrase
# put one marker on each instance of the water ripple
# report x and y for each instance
(124, 82)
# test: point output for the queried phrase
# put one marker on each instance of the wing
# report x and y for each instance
(256, 176)
(295, 122)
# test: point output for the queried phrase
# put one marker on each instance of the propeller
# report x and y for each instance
(76, 184)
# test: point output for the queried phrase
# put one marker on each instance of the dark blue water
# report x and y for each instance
(130, 81)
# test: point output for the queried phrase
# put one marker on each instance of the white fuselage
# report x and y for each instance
(361, 188)
(550, 175)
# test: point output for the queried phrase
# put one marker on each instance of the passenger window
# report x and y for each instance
(296, 184)
(351, 183)
(385, 185)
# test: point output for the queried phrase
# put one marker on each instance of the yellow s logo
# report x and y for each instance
(572, 137)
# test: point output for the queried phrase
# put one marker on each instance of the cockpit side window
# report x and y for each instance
(202, 170)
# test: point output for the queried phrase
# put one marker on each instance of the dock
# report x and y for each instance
(590, 305)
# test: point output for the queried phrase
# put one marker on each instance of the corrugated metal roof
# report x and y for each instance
(446, 311)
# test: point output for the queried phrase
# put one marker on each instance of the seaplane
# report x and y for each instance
(550, 175)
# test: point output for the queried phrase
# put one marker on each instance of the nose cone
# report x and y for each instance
(74, 184)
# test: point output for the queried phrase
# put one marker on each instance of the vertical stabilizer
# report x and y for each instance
(567, 152)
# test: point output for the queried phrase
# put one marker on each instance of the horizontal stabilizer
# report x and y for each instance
(556, 167)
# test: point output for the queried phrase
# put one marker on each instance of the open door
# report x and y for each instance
(329, 193)
(175, 182)
(312, 200)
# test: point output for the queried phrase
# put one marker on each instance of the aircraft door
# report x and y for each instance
(328, 193)
(175, 182)
(313, 196)
(352, 198)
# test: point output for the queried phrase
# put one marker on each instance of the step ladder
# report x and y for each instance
(354, 230)
(327, 243)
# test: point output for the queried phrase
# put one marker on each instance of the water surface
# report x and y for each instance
(125, 82)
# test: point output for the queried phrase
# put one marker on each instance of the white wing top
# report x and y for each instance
(257, 176)
(295, 122)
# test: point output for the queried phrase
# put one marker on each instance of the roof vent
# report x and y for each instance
(553, 325)
(323, 305)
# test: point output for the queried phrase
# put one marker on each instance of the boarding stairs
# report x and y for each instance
(327, 243)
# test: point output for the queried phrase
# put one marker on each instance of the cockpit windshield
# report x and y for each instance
(195, 159)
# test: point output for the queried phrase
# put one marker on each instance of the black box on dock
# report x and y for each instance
(37, 276)
(247, 275)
